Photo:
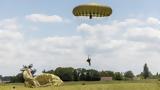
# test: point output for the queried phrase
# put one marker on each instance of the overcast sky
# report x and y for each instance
(46, 34)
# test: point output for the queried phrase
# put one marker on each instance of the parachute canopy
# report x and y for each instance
(92, 10)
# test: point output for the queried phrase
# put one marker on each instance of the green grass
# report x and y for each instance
(107, 85)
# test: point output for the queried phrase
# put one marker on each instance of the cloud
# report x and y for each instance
(152, 20)
(44, 18)
(117, 46)
(127, 42)
(9, 24)
(146, 34)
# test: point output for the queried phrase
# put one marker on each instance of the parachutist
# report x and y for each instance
(89, 61)
(90, 17)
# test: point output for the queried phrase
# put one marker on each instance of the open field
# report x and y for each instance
(108, 85)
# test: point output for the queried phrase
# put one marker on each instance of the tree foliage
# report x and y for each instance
(129, 75)
(106, 74)
(92, 75)
(118, 76)
(66, 74)
(146, 72)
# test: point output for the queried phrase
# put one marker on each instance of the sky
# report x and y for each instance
(46, 34)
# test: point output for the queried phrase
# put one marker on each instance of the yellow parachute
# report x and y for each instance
(40, 80)
(92, 10)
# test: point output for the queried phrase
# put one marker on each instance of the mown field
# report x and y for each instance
(108, 85)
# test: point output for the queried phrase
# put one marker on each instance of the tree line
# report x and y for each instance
(82, 74)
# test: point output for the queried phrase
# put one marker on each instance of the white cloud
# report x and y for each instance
(153, 21)
(146, 34)
(126, 42)
(9, 24)
(118, 46)
(44, 18)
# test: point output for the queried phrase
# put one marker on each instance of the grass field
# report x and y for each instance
(108, 85)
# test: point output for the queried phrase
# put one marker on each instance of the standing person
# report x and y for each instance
(30, 81)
